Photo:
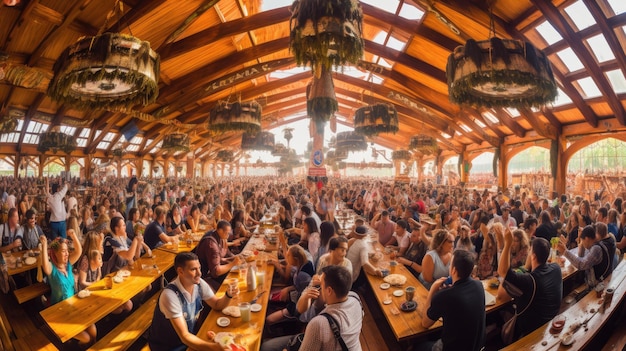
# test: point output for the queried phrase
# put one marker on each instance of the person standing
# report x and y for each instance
(461, 305)
(175, 319)
(58, 214)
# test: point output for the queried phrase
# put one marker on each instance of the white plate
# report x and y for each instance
(223, 322)
(567, 339)
(123, 273)
(118, 279)
(30, 260)
(83, 294)
(255, 307)
(385, 286)
(398, 293)
(386, 302)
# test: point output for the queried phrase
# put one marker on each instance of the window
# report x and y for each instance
(601, 48)
(580, 15)
(109, 137)
(480, 124)
(589, 87)
(491, 117)
(561, 98)
(512, 111)
(81, 142)
(598, 157)
(411, 12)
(103, 145)
(36, 127)
(465, 128)
(85, 133)
(388, 5)
(618, 6)
(618, 82)
(570, 60)
(132, 148)
(68, 130)
(548, 33)
(395, 43)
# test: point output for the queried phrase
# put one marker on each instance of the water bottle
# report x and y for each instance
(251, 278)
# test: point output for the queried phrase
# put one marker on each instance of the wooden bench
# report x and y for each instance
(30, 292)
(617, 340)
(131, 329)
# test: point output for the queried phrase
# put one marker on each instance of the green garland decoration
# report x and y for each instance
(365, 119)
(321, 109)
(56, 141)
(8, 124)
(490, 61)
(424, 144)
(227, 117)
(225, 156)
(87, 61)
(176, 142)
(401, 155)
(326, 33)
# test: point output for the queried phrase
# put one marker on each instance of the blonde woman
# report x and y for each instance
(436, 263)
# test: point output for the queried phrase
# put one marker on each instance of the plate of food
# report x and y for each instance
(118, 279)
(255, 307)
(83, 294)
(30, 261)
(124, 273)
(246, 253)
(232, 311)
(395, 279)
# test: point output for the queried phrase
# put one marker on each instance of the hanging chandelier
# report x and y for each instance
(107, 71)
(225, 156)
(55, 140)
(263, 141)
(7, 124)
(401, 155)
(375, 119)
(424, 144)
(326, 33)
(321, 103)
(176, 142)
(350, 141)
(236, 116)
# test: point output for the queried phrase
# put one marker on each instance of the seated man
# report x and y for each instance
(358, 256)
(597, 263)
(180, 303)
(216, 260)
(155, 234)
(537, 294)
(462, 306)
(347, 313)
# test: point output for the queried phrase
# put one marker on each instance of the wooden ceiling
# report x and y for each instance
(203, 42)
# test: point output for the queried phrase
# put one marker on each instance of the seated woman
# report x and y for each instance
(519, 248)
(58, 268)
(119, 249)
(336, 256)
(298, 272)
(400, 237)
(174, 224)
(193, 219)
(309, 236)
(436, 263)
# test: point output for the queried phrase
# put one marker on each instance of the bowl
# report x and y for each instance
(223, 322)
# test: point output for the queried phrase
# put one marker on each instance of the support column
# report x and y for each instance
(190, 167)
(420, 169)
(166, 168)
(68, 162)
(503, 173)
(316, 161)
(439, 168)
(87, 172)
(560, 183)
(139, 167)
(42, 161)
(214, 169)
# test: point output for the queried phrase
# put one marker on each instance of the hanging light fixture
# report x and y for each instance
(55, 140)
(424, 144)
(401, 155)
(326, 33)
(500, 73)
(176, 142)
(375, 119)
(225, 156)
(107, 71)
(236, 116)
(263, 141)
(350, 141)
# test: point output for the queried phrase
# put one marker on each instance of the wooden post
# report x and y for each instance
(166, 168)
(190, 167)
(560, 184)
(503, 169)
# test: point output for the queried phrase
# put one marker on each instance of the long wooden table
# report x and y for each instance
(12, 270)
(580, 321)
(408, 325)
(73, 315)
(248, 334)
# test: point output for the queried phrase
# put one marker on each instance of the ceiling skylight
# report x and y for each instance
(36, 127)
(561, 99)
(589, 88)
(267, 5)
(491, 117)
(617, 80)
(601, 48)
(580, 15)
(480, 124)
(411, 12)
(84, 133)
(618, 6)
(395, 43)
(513, 112)
(570, 60)
(390, 6)
(285, 73)
(548, 33)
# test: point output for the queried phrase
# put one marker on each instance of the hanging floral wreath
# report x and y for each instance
(375, 119)
(55, 141)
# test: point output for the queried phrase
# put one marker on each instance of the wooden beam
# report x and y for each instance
(405, 60)
(207, 5)
(472, 112)
(545, 130)
(557, 20)
(509, 122)
(28, 117)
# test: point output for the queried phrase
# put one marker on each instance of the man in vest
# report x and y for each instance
(598, 262)
(180, 304)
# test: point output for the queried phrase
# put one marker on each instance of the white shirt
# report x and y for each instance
(169, 303)
(55, 203)
(357, 254)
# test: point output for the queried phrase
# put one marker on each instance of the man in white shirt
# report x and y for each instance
(358, 255)
(506, 219)
(58, 214)
(174, 321)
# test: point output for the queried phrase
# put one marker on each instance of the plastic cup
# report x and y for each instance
(260, 279)
(385, 272)
(108, 282)
(392, 266)
(244, 308)
(243, 271)
(558, 322)
(232, 283)
(410, 293)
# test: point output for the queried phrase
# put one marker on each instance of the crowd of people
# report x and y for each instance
(445, 236)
